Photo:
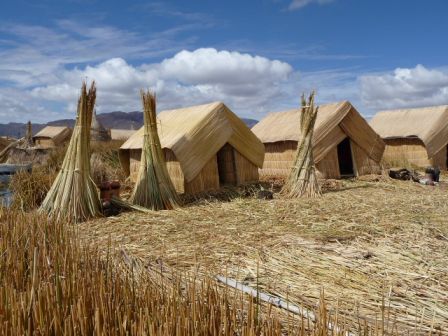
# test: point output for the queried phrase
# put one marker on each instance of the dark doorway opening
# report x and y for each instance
(226, 165)
(446, 168)
(345, 158)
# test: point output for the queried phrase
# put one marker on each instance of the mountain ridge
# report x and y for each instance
(115, 120)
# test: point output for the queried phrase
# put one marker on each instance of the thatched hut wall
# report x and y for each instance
(279, 158)
(246, 171)
(44, 143)
(412, 151)
(328, 167)
(227, 167)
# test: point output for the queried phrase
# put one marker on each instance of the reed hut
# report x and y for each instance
(98, 132)
(121, 134)
(418, 136)
(205, 147)
(344, 145)
(52, 136)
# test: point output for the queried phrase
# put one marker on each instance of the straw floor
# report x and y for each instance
(378, 249)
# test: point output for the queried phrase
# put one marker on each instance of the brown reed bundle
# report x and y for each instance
(154, 189)
(29, 135)
(302, 180)
(73, 195)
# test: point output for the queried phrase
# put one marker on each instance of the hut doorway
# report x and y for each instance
(345, 158)
(446, 161)
(226, 165)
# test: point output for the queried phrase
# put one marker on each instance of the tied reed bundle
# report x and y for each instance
(29, 135)
(153, 189)
(73, 195)
(302, 180)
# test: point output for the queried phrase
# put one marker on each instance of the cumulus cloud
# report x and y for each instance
(208, 65)
(189, 77)
(298, 4)
(405, 87)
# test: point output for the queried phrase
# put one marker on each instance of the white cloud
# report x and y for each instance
(210, 66)
(297, 4)
(405, 87)
(190, 77)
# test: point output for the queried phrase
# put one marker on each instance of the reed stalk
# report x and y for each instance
(73, 195)
(154, 189)
(302, 180)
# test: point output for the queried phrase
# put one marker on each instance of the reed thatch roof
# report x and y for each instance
(334, 122)
(121, 134)
(429, 124)
(195, 134)
(56, 133)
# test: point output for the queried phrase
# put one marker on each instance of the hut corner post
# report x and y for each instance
(302, 180)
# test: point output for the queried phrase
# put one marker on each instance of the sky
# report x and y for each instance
(255, 56)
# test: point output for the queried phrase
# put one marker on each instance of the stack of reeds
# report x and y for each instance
(153, 189)
(29, 135)
(73, 195)
(302, 180)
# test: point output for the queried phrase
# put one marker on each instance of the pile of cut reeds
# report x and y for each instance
(73, 195)
(50, 284)
(153, 188)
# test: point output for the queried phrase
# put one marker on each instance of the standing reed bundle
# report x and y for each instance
(153, 189)
(302, 180)
(29, 135)
(73, 195)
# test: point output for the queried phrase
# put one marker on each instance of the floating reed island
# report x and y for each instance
(366, 257)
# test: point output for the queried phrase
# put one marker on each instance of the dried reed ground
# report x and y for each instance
(379, 249)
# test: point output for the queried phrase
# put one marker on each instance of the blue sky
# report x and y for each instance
(256, 56)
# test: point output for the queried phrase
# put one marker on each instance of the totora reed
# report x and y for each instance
(302, 180)
(153, 189)
(73, 195)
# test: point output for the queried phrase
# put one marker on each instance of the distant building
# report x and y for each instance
(121, 134)
(52, 136)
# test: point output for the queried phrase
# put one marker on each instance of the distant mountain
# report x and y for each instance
(250, 122)
(117, 120)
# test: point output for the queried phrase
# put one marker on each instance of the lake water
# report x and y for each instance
(5, 197)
